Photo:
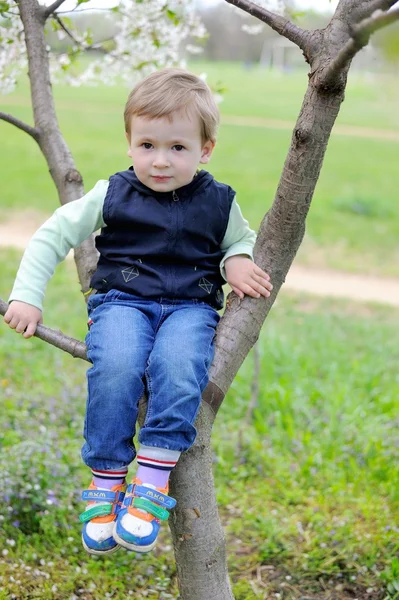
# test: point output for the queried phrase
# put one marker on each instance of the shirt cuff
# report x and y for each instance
(234, 251)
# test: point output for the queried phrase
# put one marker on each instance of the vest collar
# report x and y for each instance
(201, 180)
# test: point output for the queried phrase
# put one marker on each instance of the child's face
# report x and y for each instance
(166, 152)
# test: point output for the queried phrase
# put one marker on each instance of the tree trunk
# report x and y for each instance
(62, 167)
(198, 538)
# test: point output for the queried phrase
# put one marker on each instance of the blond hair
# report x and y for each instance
(164, 92)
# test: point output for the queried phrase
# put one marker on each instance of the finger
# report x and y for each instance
(20, 328)
(257, 287)
(249, 290)
(14, 322)
(237, 291)
(8, 316)
(265, 282)
(30, 330)
(260, 272)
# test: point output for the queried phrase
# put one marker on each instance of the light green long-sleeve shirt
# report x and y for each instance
(72, 223)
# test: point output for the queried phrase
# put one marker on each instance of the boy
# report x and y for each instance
(168, 233)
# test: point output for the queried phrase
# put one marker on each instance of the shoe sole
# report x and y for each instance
(98, 552)
(132, 547)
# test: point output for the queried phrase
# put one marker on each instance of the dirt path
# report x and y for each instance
(16, 232)
(347, 130)
(240, 121)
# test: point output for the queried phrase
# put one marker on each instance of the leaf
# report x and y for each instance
(155, 40)
(4, 6)
(82, 2)
(172, 16)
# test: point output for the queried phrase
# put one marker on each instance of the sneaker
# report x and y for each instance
(138, 522)
(99, 518)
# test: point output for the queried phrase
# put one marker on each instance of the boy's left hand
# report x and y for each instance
(245, 277)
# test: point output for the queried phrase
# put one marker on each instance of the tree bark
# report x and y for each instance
(62, 167)
(198, 537)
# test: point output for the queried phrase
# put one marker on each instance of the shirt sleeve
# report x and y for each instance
(239, 237)
(67, 228)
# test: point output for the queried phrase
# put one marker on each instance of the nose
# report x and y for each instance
(161, 160)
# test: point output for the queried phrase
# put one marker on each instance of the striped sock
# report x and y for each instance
(155, 465)
(107, 479)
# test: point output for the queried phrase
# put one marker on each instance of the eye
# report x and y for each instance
(178, 147)
(147, 145)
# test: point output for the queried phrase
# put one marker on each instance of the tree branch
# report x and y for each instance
(82, 10)
(65, 28)
(55, 338)
(52, 8)
(35, 133)
(360, 37)
(368, 8)
(280, 24)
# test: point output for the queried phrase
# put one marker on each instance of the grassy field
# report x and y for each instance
(354, 219)
(311, 503)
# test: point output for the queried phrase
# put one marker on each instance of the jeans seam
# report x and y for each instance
(149, 394)
(160, 320)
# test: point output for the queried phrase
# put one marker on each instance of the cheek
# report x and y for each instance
(187, 162)
(139, 159)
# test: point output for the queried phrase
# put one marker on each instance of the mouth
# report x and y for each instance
(161, 178)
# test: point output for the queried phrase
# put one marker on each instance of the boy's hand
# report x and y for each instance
(245, 277)
(23, 317)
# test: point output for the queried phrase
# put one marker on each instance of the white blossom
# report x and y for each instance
(13, 57)
(149, 35)
(252, 29)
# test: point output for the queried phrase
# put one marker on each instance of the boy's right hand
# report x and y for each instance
(23, 317)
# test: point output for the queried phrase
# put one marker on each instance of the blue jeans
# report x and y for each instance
(167, 344)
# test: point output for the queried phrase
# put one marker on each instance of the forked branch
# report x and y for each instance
(35, 133)
(52, 8)
(360, 37)
(280, 24)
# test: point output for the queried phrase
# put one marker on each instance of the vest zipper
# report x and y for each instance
(175, 197)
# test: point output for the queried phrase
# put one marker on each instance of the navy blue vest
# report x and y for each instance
(163, 244)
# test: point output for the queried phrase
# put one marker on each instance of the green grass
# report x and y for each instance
(310, 503)
(371, 100)
(354, 218)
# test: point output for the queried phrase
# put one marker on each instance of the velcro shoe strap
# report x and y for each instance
(147, 505)
(98, 496)
(141, 491)
(95, 511)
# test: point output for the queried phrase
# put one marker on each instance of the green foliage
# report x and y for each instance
(4, 7)
(172, 15)
(310, 501)
(390, 576)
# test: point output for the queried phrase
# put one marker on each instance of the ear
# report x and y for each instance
(207, 150)
(129, 152)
